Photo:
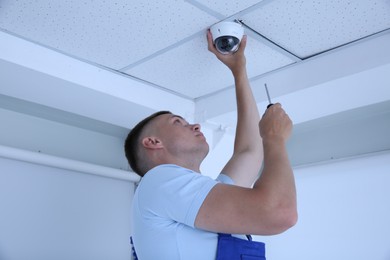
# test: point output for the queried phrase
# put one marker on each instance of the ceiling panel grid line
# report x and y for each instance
(307, 28)
(352, 42)
(229, 9)
(235, 10)
(206, 9)
(111, 33)
(162, 51)
(192, 70)
(258, 36)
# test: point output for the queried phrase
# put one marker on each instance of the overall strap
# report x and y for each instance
(133, 249)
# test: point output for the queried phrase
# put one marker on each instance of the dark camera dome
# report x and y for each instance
(227, 44)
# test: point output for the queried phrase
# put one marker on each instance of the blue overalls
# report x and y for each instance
(232, 248)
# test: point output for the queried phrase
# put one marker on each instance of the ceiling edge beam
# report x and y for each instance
(48, 63)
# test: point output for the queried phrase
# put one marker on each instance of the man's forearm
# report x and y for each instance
(247, 131)
(277, 179)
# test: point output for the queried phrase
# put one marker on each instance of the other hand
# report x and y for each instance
(275, 124)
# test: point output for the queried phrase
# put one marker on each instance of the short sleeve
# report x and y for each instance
(170, 192)
(225, 179)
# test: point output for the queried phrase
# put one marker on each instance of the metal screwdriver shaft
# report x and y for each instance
(269, 98)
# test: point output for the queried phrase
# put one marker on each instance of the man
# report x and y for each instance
(177, 212)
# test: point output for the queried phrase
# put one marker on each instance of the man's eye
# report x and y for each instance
(180, 121)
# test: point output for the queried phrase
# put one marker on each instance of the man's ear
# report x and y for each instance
(152, 142)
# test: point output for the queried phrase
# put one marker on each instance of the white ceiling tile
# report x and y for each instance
(192, 71)
(110, 33)
(309, 27)
(225, 8)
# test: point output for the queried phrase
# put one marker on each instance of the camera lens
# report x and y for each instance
(227, 44)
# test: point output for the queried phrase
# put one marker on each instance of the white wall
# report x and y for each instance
(50, 213)
(344, 212)
(35, 133)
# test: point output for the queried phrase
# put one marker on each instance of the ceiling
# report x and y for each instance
(130, 58)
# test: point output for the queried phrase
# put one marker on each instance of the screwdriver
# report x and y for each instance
(269, 99)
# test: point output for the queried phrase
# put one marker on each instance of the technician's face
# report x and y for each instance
(178, 136)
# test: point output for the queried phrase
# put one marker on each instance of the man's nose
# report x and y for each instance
(196, 127)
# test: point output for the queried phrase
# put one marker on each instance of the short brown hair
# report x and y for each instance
(132, 143)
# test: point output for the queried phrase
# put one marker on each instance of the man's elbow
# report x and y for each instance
(291, 218)
(285, 220)
(281, 220)
(277, 221)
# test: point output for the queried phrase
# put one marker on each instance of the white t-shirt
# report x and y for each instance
(165, 206)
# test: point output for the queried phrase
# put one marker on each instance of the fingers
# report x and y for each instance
(275, 123)
(277, 111)
(242, 44)
(210, 43)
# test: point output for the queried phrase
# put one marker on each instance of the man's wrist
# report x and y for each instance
(239, 73)
(273, 141)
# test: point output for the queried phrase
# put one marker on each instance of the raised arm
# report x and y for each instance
(270, 206)
(245, 163)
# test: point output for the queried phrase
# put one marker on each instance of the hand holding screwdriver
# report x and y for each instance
(276, 122)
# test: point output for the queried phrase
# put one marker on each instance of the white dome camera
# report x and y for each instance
(227, 36)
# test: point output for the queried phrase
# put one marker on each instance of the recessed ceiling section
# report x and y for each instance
(192, 71)
(307, 28)
(110, 33)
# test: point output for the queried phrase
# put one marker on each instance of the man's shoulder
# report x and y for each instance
(171, 192)
(165, 171)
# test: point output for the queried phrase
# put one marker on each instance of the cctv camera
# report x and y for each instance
(227, 36)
